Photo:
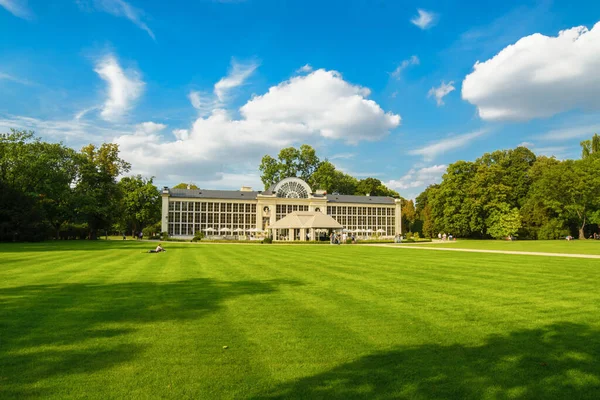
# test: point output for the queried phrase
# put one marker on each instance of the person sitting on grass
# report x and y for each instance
(158, 249)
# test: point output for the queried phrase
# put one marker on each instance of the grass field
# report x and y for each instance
(543, 246)
(104, 321)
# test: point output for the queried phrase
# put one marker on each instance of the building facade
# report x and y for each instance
(244, 211)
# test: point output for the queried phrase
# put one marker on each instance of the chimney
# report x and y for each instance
(188, 187)
(246, 189)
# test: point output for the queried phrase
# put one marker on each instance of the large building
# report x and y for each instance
(247, 212)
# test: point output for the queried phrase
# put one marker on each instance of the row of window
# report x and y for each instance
(202, 206)
(352, 210)
(210, 218)
(281, 210)
(187, 229)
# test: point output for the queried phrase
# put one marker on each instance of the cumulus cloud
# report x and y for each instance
(433, 150)
(324, 103)
(120, 8)
(538, 76)
(414, 60)
(424, 20)
(416, 178)
(238, 74)
(441, 91)
(124, 87)
(300, 110)
(18, 8)
(304, 69)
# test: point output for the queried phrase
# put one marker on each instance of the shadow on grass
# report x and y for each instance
(560, 361)
(50, 331)
(81, 245)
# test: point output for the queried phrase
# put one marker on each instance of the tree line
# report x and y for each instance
(514, 192)
(48, 190)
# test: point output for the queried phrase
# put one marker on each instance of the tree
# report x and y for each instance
(97, 191)
(140, 202)
(374, 187)
(290, 162)
(590, 146)
(503, 221)
(185, 186)
(409, 214)
(40, 171)
(326, 177)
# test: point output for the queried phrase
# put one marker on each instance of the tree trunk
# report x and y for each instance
(581, 232)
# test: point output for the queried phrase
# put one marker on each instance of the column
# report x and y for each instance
(291, 234)
(303, 234)
(398, 216)
(165, 211)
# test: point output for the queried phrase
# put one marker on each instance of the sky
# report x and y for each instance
(200, 91)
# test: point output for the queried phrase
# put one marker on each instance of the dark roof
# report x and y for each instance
(346, 198)
(213, 194)
(240, 195)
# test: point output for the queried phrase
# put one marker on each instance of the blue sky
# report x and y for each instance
(199, 91)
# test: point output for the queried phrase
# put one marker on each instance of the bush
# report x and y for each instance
(349, 241)
(267, 240)
(152, 231)
(553, 229)
(416, 236)
(198, 237)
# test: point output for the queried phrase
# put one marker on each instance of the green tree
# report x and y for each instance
(374, 187)
(185, 186)
(290, 162)
(140, 202)
(590, 146)
(98, 194)
(409, 215)
(503, 221)
(326, 177)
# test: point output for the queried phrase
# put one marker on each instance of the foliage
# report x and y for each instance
(409, 215)
(152, 231)
(198, 236)
(503, 222)
(320, 175)
(590, 146)
(140, 203)
(267, 240)
(186, 186)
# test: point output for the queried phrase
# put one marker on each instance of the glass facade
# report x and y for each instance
(365, 218)
(185, 218)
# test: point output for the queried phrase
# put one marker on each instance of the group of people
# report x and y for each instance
(444, 237)
(336, 238)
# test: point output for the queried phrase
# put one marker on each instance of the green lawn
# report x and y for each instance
(544, 246)
(104, 321)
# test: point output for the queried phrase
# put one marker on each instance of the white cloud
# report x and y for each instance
(526, 144)
(440, 92)
(424, 20)
(18, 8)
(304, 69)
(575, 132)
(121, 8)
(74, 132)
(431, 151)
(323, 103)
(300, 110)
(538, 76)
(238, 74)
(12, 78)
(342, 156)
(414, 60)
(181, 134)
(124, 88)
(418, 178)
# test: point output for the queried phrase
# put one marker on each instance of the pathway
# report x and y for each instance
(520, 253)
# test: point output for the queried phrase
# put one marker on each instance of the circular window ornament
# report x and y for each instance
(293, 188)
(266, 209)
(317, 209)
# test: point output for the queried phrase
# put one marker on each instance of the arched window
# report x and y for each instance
(293, 188)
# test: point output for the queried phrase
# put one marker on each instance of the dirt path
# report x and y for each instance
(520, 253)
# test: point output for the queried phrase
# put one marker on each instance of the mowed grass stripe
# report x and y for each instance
(334, 322)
